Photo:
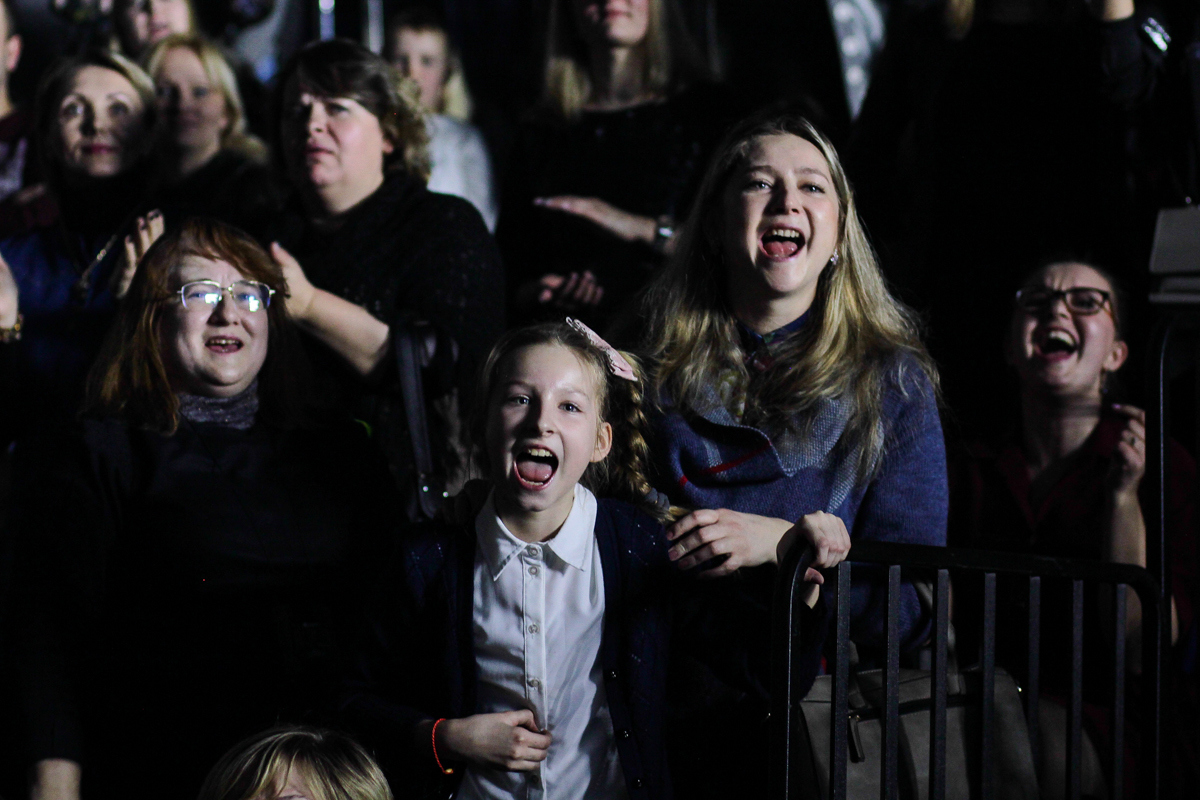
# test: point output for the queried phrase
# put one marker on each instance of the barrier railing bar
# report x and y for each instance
(889, 789)
(987, 789)
(1033, 679)
(1118, 711)
(785, 627)
(840, 719)
(1075, 713)
(937, 720)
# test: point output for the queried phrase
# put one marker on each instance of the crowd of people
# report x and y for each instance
(405, 458)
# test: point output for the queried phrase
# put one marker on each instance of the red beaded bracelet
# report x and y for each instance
(433, 741)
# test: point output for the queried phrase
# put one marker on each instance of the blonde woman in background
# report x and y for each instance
(613, 156)
(458, 155)
(210, 165)
(296, 763)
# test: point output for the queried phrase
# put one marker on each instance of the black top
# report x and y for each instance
(647, 160)
(177, 593)
(231, 187)
(406, 251)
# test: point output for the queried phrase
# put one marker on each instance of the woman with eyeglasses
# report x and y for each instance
(188, 555)
(1068, 481)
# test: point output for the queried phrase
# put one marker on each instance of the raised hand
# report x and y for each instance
(830, 539)
(1129, 458)
(300, 290)
(147, 229)
(508, 740)
(569, 291)
(625, 226)
(9, 296)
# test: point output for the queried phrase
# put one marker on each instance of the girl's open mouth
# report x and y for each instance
(223, 344)
(535, 467)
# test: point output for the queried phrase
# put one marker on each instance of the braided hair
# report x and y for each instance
(623, 473)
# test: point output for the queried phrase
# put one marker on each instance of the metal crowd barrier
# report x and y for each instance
(935, 564)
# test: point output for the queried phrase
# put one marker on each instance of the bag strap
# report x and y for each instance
(408, 341)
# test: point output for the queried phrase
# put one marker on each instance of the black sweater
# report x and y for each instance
(173, 594)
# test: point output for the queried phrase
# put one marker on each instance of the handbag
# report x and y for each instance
(1012, 768)
(425, 498)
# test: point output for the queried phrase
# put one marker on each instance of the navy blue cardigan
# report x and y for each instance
(418, 661)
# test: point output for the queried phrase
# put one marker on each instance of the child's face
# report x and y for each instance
(543, 429)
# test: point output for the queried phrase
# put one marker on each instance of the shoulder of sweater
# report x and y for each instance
(630, 524)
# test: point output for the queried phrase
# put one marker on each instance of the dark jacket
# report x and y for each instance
(231, 187)
(174, 594)
(419, 660)
(406, 252)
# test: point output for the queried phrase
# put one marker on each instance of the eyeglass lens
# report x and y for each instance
(249, 296)
(1082, 300)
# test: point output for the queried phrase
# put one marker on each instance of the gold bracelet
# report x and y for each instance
(12, 334)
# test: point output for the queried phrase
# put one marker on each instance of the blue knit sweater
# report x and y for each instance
(710, 460)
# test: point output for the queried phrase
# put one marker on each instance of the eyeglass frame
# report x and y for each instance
(1063, 294)
(223, 289)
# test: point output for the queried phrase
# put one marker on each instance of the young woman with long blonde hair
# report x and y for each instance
(797, 401)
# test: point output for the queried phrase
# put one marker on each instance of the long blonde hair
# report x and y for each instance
(850, 351)
(221, 75)
(670, 58)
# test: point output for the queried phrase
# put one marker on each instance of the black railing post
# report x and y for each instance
(785, 630)
(889, 788)
(1033, 681)
(937, 719)
(987, 788)
(840, 710)
(1118, 711)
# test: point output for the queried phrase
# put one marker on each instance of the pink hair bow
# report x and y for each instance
(616, 362)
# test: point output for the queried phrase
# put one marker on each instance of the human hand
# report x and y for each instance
(746, 539)
(147, 229)
(10, 296)
(1129, 459)
(830, 540)
(625, 226)
(508, 740)
(571, 291)
(300, 290)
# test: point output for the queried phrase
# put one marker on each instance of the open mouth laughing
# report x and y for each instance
(223, 344)
(781, 243)
(535, 466)
(1054, 344)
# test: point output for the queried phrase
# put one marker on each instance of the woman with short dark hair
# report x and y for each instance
(374, 248)
(188, 557)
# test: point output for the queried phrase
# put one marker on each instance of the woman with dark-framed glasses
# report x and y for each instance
(187, 556)
(1067, 482)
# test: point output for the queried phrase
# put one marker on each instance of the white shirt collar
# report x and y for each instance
(572, 544)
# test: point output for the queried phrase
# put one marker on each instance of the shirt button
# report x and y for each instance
(534, 551)
(533, 627)
(533, 571)
(534, 682)
(612, 674)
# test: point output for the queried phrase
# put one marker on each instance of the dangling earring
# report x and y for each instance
(833, 259)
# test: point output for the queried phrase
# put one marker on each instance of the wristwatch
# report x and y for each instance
(12, 334)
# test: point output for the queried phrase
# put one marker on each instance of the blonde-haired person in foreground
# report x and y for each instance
(797, 401)
(296, 763)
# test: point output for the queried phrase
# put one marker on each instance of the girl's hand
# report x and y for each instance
(625, 226)
(147, 229)
(829, 538)
(300, 290)
(746, 539)
(9, 296)
(509, 740)
(1129, 459)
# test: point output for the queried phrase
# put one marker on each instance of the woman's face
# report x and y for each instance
(211, 350)
(331, 141)
(422, 56)
(147, 22)
(612, 23)
(1062, 351)
(193, 108)
(100, 122)
(780, 221)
